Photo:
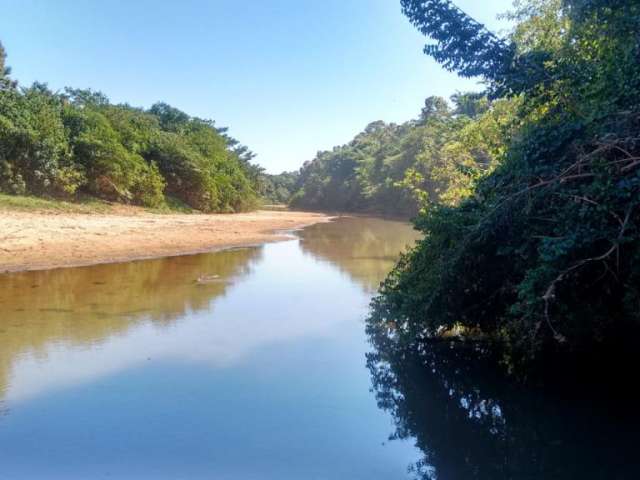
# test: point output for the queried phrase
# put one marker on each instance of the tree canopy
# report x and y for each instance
(398, 169)
(540, 256)
(76, 142)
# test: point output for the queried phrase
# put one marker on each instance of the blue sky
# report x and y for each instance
(287, 77)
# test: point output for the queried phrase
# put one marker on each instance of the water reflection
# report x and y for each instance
(85, 306)
(137, 371)
(470, 423)
(365, 248)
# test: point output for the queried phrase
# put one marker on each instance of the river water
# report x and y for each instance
(258, 372)
(140, 371)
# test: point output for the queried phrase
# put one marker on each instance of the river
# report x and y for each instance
(257, 371)
(253, 364)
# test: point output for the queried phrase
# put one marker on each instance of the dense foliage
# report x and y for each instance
(278, 189)
(542, 258)
(394, 169)
(78, 143)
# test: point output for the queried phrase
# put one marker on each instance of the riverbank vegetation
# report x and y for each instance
(532, 246)
(76, 143)
(277, 189)
(395, 169)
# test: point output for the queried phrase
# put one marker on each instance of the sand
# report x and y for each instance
(44, 240)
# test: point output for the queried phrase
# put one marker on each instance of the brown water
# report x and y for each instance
(138, 370)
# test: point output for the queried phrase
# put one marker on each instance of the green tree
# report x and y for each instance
(79, 143)
(5, 82)
(541, 255)
(399, 169)
(434, 107)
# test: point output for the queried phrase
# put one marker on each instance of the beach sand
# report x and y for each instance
(44, 240)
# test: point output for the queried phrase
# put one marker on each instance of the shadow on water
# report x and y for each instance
(471, 423)
(365, 248)
(88, 305)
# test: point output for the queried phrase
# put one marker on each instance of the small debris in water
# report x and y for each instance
(203, 279)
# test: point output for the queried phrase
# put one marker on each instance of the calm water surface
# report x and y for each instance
(138, 371)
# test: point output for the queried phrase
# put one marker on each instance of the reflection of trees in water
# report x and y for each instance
(365, 248)
(471, 424)
(83, 306)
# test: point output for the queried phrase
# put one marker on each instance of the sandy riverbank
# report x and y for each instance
(43, 240)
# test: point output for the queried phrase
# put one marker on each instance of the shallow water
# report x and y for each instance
(139, 371)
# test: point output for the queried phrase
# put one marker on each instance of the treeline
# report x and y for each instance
(536, 251)
(278, 189)
(396, 169)
(77, 143)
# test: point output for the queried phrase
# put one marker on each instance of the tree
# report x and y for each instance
(5, 71)
(470, 104)
(399, 169)
(79, 143)
(540, 256)
(434, 107)
(463, 45)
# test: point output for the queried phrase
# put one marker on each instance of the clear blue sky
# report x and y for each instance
(288, 77)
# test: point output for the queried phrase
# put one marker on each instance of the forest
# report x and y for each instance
(76, 144)
(531, 248)
(396, 169)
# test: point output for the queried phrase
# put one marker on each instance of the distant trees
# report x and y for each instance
(434, 107)
(399, 169)
(78, 143)
(278, 189)
(3, 58)
(5, 71)
(358, 176)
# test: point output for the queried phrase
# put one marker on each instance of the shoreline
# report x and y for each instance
(44, 240)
